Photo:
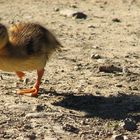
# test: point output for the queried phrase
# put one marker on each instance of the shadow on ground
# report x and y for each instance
(112, 107)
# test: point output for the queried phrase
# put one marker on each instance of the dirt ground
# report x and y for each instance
(76, 100)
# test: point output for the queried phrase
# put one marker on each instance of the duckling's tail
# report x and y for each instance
(53, 41)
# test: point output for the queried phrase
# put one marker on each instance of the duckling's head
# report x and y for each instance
(3, 36)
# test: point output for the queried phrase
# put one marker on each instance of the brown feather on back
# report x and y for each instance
(32, 38)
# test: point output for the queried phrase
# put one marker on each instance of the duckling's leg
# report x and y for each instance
(33, 91)
(20, 74)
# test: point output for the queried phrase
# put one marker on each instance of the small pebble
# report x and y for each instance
(82, 122)
(73, 13)
(125, 70)
(110, 69)
(56, 9)
(7, 136)
(15, 84)
(116, 20)
(125, 137)
(38, 108)
(1, 77)
(73, 6)
(96, 132)
(50, 94)
(52, 90)
(79, 15)
(62, 71)
(118, 85)
(27, 126)
(45, 81)
(91, 26)
(98, 93)
(129, 124)
(135, 88)
(77, 68)
(26, 81)
(95, 47)
(70, 128)
(118, 137)
(31, 136)
(95, 56)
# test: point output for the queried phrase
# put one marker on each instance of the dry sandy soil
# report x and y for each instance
(76, 100)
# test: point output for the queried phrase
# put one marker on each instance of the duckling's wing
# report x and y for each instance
(30, 39)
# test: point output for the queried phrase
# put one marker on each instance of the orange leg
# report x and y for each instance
(20, 74)
(33, 91)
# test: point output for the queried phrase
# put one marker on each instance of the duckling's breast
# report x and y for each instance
(22, 64)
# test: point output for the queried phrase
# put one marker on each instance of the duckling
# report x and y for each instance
(26, 47)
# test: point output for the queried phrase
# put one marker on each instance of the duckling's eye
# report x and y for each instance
(2, 33)
(1, 29)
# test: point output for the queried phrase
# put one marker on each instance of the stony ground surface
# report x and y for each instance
(78, 100)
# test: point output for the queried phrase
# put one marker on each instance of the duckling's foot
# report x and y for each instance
(33, 91)
(29, 92)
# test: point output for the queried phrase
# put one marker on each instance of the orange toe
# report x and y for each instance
(29, 92)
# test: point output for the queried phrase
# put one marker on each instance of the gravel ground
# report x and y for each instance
(90, 91)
